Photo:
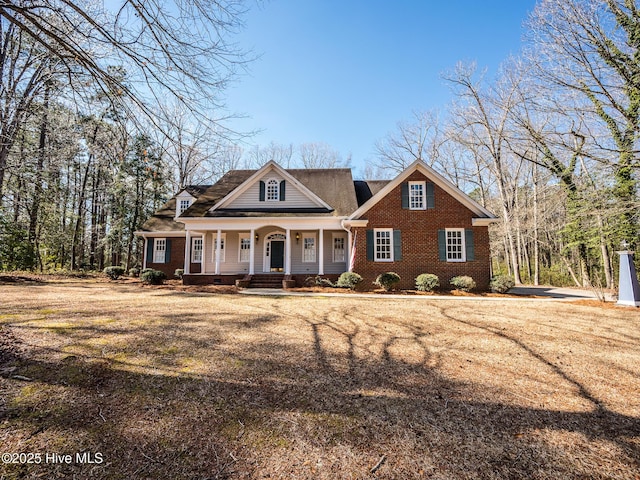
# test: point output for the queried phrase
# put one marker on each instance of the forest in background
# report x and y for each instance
(105, 114)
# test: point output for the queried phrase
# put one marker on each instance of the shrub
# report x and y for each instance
(463, 282)
(426, 282)
(501, 283)
(387, 280)
(318, 281)
(153, 277)
(134, 272)
(113, 272)
(179, 273)
(348, 280)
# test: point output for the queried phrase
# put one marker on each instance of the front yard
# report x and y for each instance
(137, 383)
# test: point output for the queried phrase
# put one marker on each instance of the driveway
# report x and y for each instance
(557, 292)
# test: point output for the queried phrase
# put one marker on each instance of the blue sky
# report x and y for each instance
(346, 72)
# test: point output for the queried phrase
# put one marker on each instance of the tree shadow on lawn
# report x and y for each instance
(283, 404)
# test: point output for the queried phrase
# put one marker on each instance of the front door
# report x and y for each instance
(277, 255)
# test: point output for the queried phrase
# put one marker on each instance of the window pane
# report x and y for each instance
(245, 249)
(159, 250)
(196, 253)
(339, 254)
(383, 245)
(454, 245)
(273, 190)
(309, 249)
(416, 196)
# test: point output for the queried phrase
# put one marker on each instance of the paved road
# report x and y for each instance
(542, 293)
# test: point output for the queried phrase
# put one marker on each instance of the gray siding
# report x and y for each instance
(294, 198)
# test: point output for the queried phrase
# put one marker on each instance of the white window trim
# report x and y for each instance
(244, 236)
(156, 244)
(194, 250)
(375, 244)
(463, 245)
(315, 247)
(333, 248)
(277, 190)
(424, 195)
(223, 248)
(180, 201)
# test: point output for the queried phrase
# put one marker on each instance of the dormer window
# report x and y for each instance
(273, 190)
(184, 204)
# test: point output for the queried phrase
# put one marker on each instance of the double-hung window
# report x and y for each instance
(159, 250)
(417, 196)
(273, 190)
(339, 251)
(455, 244)
(383, 244)
(184, 204)
(245, 248)
(309, 248)
(196, 250)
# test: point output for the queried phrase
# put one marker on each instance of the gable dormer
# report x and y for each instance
(183, 201)
(271, 188)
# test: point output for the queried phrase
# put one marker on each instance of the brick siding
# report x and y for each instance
(419, 231)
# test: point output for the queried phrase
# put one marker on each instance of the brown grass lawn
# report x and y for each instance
(168, 384)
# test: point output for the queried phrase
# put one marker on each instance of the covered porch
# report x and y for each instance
(294, 250)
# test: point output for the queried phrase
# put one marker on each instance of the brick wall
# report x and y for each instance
(419, 230)
(176, 259)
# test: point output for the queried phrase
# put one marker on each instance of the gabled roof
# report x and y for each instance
(331, 190)
(436, 178)
(163, 220)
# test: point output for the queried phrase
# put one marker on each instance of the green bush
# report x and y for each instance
(387, 280)
(153, 277)
(114, 272)
(348, 280)
(463, 282)
(501, 283)
(134, 272)
(426, 282)
(179, 273)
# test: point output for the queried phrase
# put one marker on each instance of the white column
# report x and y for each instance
(203, 265)
(252, 240)
(218, 245)
(321, 252)
(144, 253)
(187, 253)
(287, 256)
(349, 245)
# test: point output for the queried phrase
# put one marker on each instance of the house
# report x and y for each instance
(271, 224)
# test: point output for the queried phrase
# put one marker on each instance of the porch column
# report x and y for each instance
(144, 253)
(349, 247)
(321, 252)
(287, 257)
(218, 251)
(252, 241)
(205, 250)
(187, 253)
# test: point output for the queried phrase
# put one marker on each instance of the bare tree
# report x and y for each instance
(418, 139)
(482, 120)
(318, 155)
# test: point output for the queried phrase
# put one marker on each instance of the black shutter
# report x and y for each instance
(149, 250)
(468, 243)
(167, 251)
(442, 245)
(397, 246)
(282, 191)
(370, 246)
(262, 191)
(431, 203)
(405, 195)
